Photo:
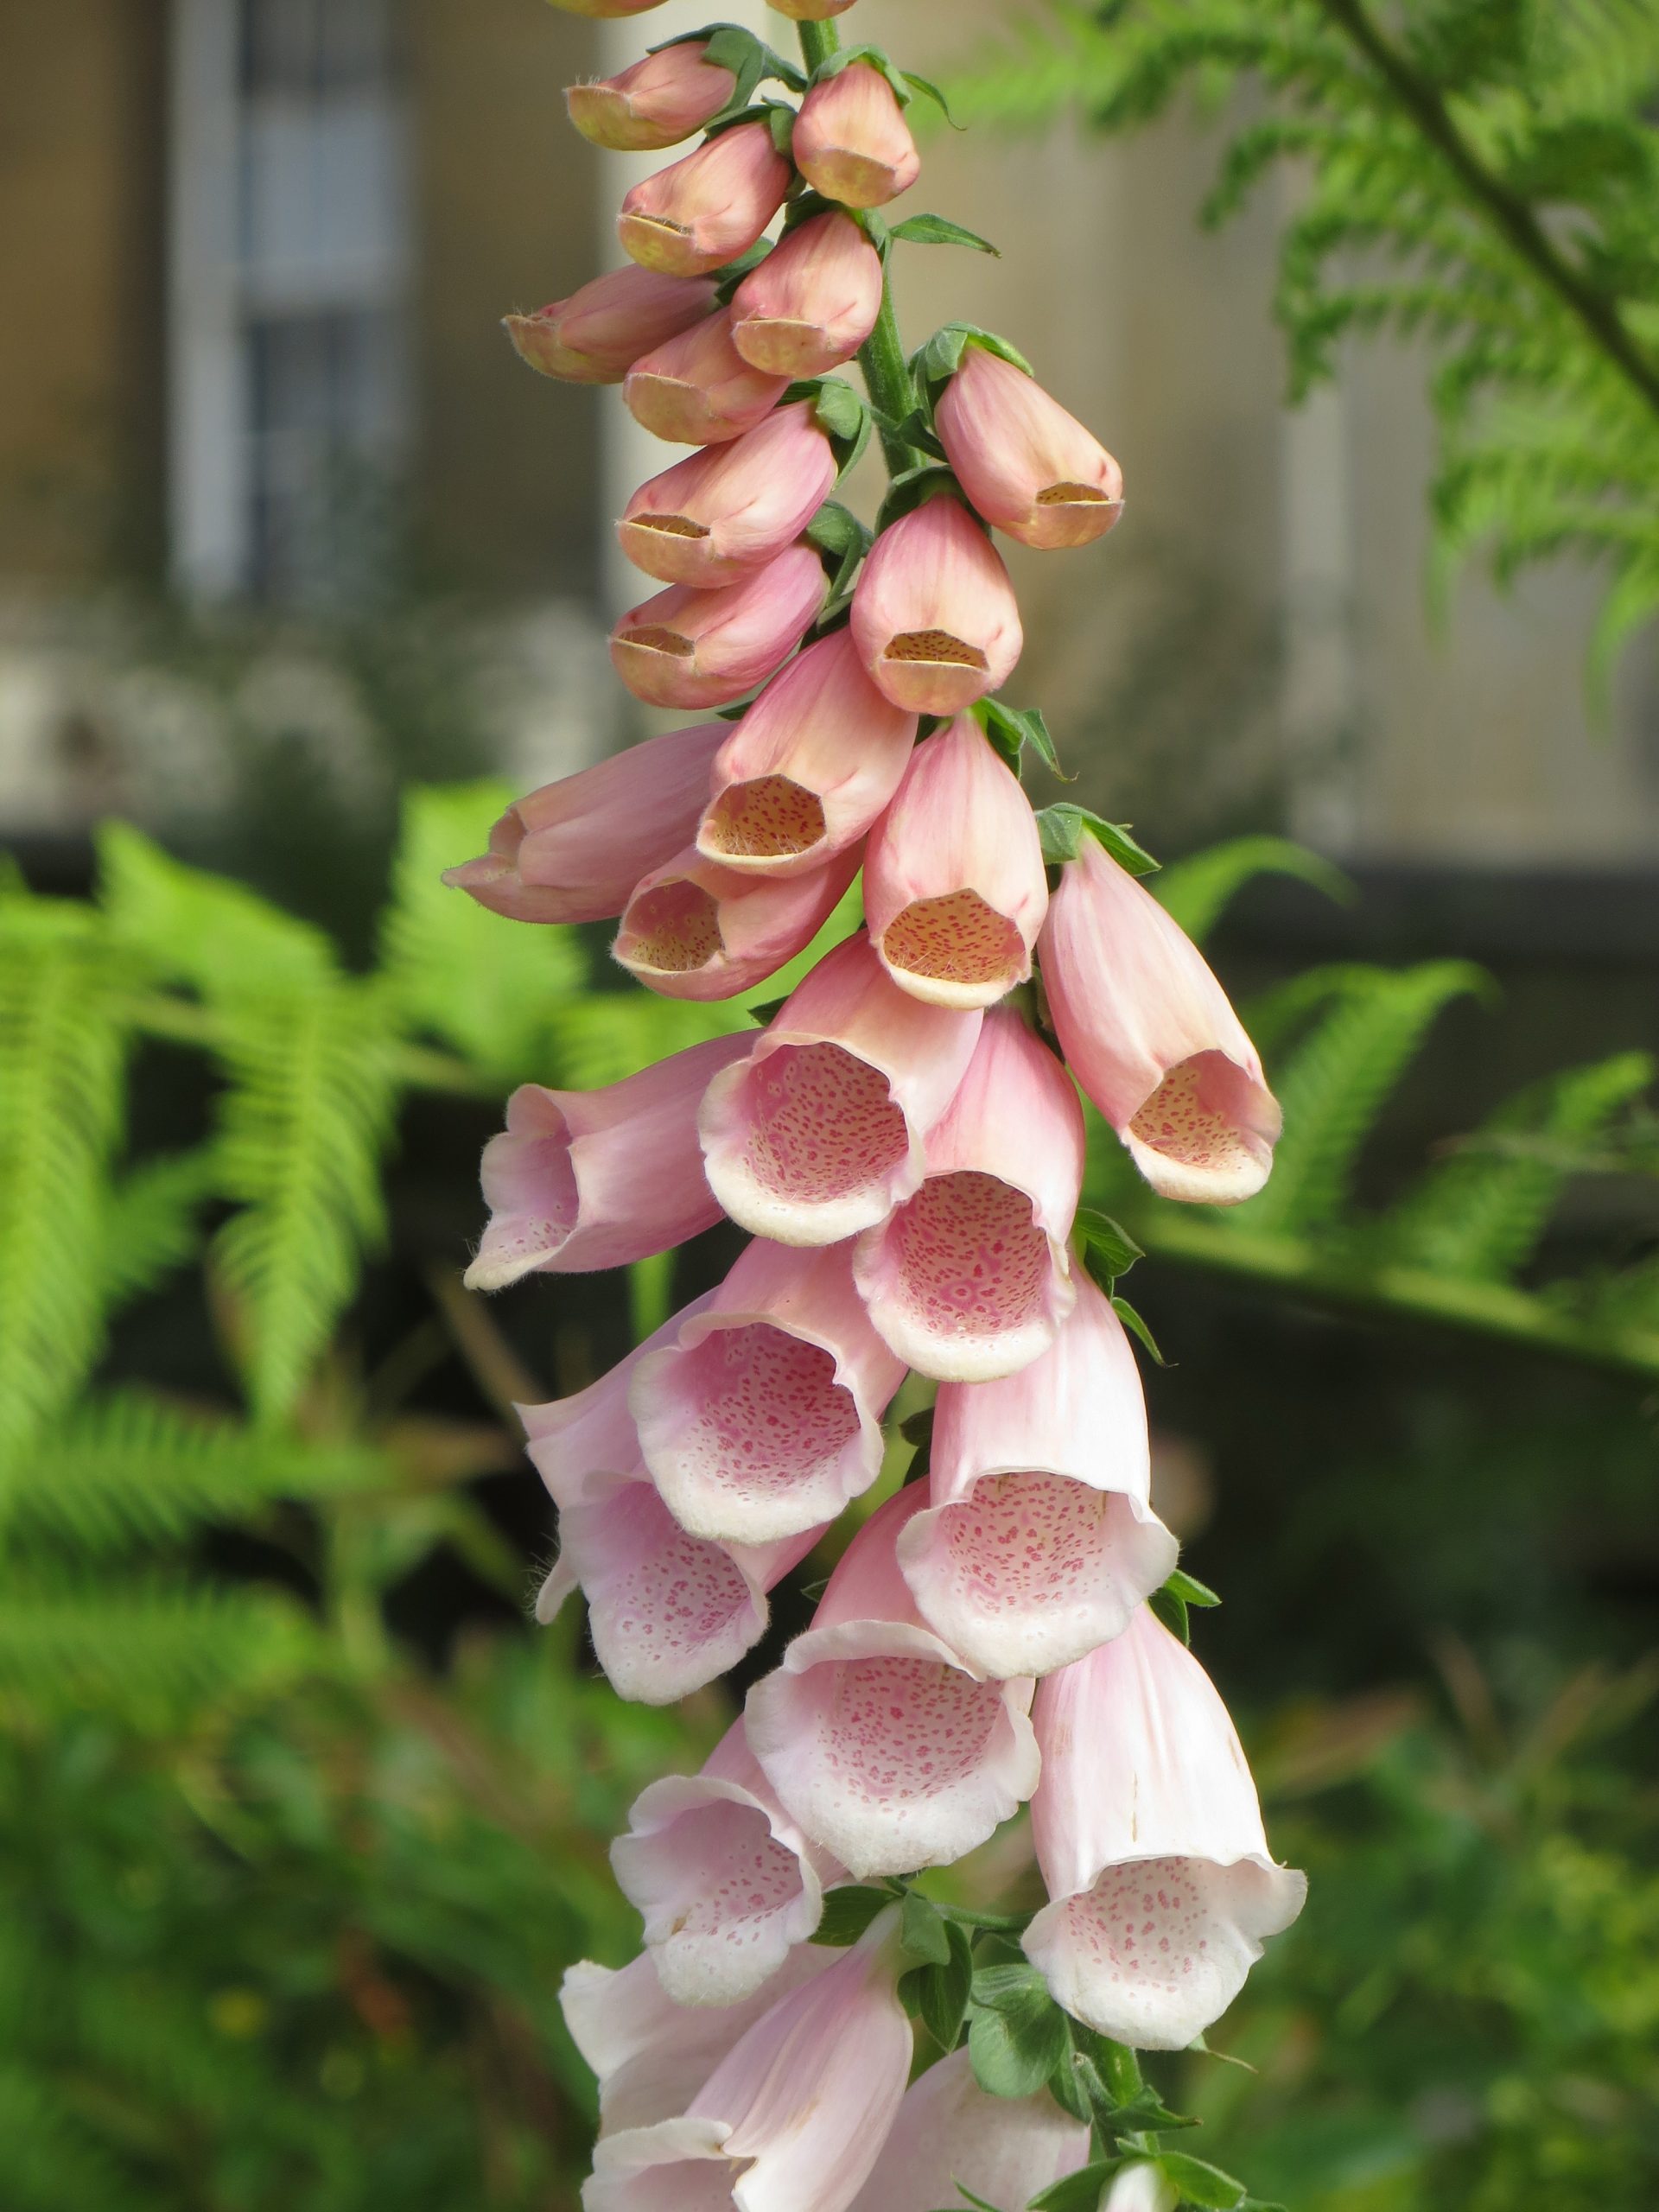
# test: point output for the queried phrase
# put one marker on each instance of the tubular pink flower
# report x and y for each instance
(695, 389)
(809, 768)
(1150, 1840)
(1152, 1039)
(573, 850)
(650, 2055)
(720, 515)
(793, 2118)
(888, 1749)
(694, 931)
(762, 1416)
(712, 204)
(954, 890)
(725, 1881)
(970, 1279)
(583, 1444)
(598, 334)
(817, 1132)
(811, 304)
(655, 103)
(1028, 466)
(668, 1613)
(934, 614)
(950, 2130)
(1040, 1541)
(580, 1179)
(687, 648)
(851, 140)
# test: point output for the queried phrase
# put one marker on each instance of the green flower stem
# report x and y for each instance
(818, 42)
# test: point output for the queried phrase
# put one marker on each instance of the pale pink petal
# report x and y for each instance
(660, 100)
(694, 929)
(711, 206)
(950, 2130)
(724, 513)
(817, 1132)
(1028, 466)
(695, 389)
(688, 648)
(811, 304)
(934, 614)
(851, 140)
(582, 1444)
(598, 334)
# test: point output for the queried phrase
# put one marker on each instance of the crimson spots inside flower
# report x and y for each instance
(822, 1124)
(674, 929)
(959, 940)
(766, 818)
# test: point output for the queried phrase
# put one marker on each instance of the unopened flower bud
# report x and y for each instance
(719, 516)
(851, 140)
(605, 8)
(811, 304)
(1028, 466)
(598, 334)
(655, 103)
(934, 613)
(688, 648)
(697, 390)
(712, 204)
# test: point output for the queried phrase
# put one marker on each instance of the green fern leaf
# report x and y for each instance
(150, 1225)
(218, 936)
(1198, 891)
(51, 2159)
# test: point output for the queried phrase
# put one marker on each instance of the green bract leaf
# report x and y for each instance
(922, 1932)
(1105, 1247)
(1062, 827)
(749, 58)
(945, 1989)
(1078, 2192)
(1188, 1586)
(1202, 2185)
(938, 360)
(1015, 2048)
(938, 230)
(764, 1012)
(926, 86)
(913, 488)
(1136, 1327)
(847, 1911)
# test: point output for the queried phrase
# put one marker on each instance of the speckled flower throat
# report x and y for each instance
(1003, 1625)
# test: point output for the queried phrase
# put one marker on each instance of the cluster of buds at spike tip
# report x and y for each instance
(903, 1140)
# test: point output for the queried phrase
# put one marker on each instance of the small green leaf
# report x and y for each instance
(764, 1012)
(922, 1932)
(1202, 2185)
(1136, 1327)
(1190, 1590)
(980, 2203)
(1077, 2192)
(1062, 827)
(913, 488)
(847, 1911)
(1010, 729)
(938, 230)
(1171, 1612)
(945, 1989)
(1106, 1247)
(931, 90)
(1001, 1988)
(1013, 2050)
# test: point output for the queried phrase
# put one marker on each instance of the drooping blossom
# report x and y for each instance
(1040, 1539)
(851, 140)
(598, 334)
(762, 1416)
(1152, 1038)
(656, 103)
(693, 929)
(949, 2132)
(573, 850)
(969, 1279)
(886, 1747)
(709, 205)
(809, 768)
(652, 2056)
(817, 1131)
(955, 891)
(794, 2116)
(934, 614)
(695, 389)
(721, 514)
(813, 301)
(582, 1180)
(1162, 1888)
(724, 1880)
(686, 648)
(1028, 466)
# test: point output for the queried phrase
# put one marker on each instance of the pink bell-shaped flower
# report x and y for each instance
(720, 515)
(950, 2131)
(725, 1881)
(954, 890)
(971, 1278)
(1150, 1841)
(685, 648)
(1028, 466)
(693, 929)
(934, 614)
(794, 2116)
(811, 304)
(711, 206)
(886, 1749)
(1040, 1539)
(573, 850)
(1152, 1037)
(580, 1179)
(851, 140)
(697, 389)
(816, 1132)
(809, 768)
(762, 1416)
(656, 103)
(598, 334)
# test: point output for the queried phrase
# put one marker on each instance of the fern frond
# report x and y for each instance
(218, 936)
(150, 1224)
(1198, 891)
(51, 2159)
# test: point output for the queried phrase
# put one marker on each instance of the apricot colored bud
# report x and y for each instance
(719, 516)
(934, 614)
(700, 211)
(688, 648)
(851, 140)
(598, 334)
(1028, 466)
(811, 11)
(697, 390)
(813, 301)
(655, 103)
